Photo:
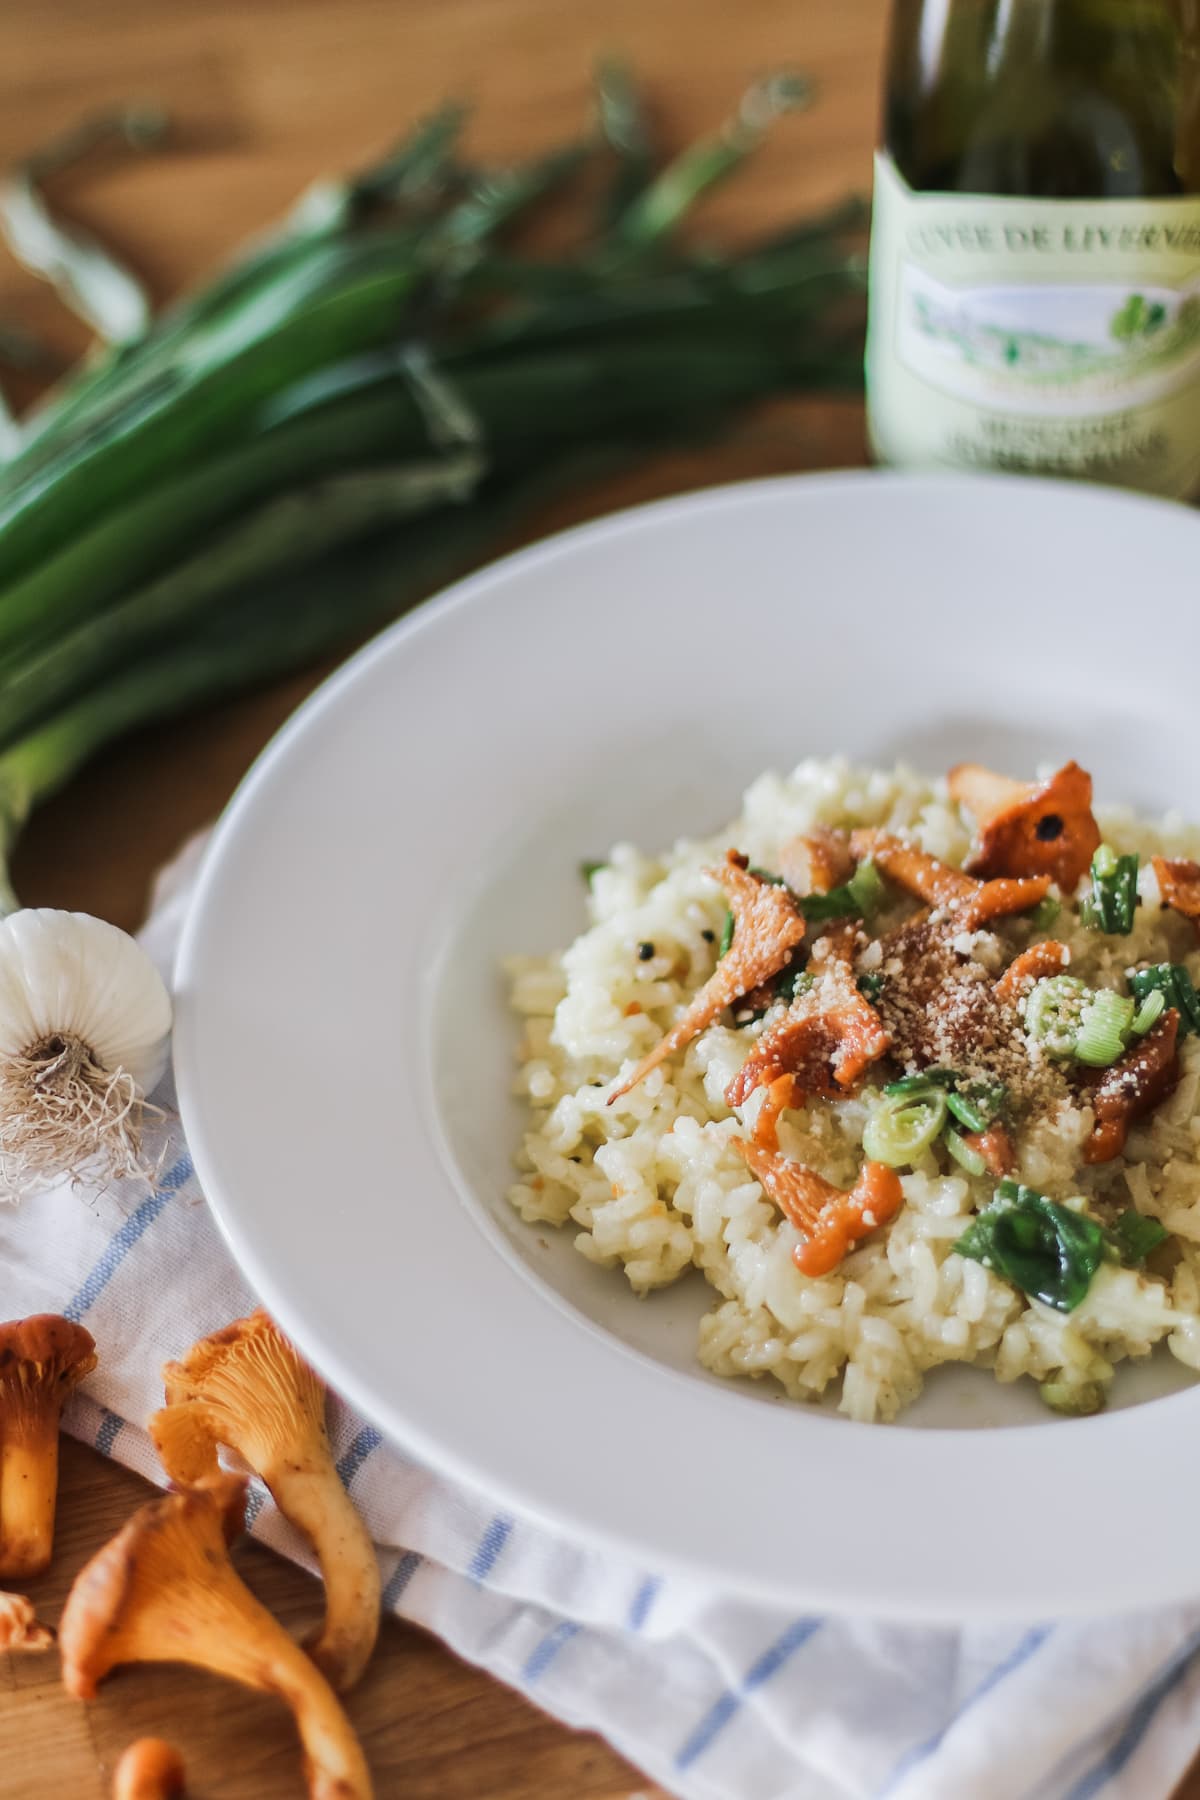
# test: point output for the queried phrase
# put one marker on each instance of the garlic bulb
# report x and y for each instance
(85, 1020)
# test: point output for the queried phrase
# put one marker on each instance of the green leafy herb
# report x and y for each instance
(589, 870)
(1113, 899)
(1136, 1236)
(726, 936)
(978, 1104)
(1041, 1247)
(1175, 984)
(857, 898)
(871, 986)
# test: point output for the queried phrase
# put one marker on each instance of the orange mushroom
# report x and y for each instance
(1048, 958)
(816, 862)
(1178, 880)
(995, 1146)
(42, 1358)
(164, 1590)
(20, 1628)
(246, 1387)
(767, 928)
(832, 1221)
(1146, 1074)
(1029, 828)
(827, 1037)
(972, 902)
(150, 1769)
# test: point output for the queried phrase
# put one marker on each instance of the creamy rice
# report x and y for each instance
(652, 1186)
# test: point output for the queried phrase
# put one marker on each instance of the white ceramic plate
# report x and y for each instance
(344, 1054)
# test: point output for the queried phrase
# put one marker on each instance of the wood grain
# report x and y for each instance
(266, 95)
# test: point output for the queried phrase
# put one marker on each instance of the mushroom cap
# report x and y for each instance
(149, 1769)
(42, 1358)
(125, 1605)
(1035, 828)
(259, 1397)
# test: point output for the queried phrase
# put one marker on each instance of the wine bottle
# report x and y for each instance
(1035, 251)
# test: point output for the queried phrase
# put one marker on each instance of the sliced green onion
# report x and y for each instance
(1151, 1009)
(903, 1125)
(963, 1154)
(589, 870)
(1104, 1029)
(726, 936)
(1136, 1236)
(1045, 913)
(978, 1104)
(1113, 900)
(1054, 1011)
(1175, 984)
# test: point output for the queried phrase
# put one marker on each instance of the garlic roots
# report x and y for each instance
(84, 1025)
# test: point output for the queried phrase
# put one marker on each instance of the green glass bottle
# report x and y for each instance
(1035, 257)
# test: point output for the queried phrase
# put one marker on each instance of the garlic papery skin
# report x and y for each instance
(85, 1021)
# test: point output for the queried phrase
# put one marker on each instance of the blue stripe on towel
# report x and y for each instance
(111, 1426)
(399, 1579)
(548, 1649)
(122, 1243)
(1139, 1722)
(351, 1462)
(760, 1672)
(921, 1752)
(490, 1548)
(643, 1600)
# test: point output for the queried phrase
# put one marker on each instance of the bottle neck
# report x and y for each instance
(1057, 98)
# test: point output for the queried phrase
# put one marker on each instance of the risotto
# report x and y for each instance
(907, 1069)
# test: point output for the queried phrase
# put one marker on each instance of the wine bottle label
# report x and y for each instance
(1060, 336)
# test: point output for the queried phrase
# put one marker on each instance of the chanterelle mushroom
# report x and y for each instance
(1029, 828)
(767, 929)
(41, 1360)
(20, 1628)
(245, 1387)
(150, 1769)
(164, 1590)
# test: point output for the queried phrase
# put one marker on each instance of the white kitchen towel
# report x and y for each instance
(715, 1698)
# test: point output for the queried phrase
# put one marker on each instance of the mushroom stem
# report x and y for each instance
(41, 1359)
(246, 1387)
(28, 1495)
(341, 1648)
(164, 1590)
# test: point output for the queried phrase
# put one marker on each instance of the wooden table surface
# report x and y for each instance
(267, 94)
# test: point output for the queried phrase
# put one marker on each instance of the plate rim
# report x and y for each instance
(456, 1461)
